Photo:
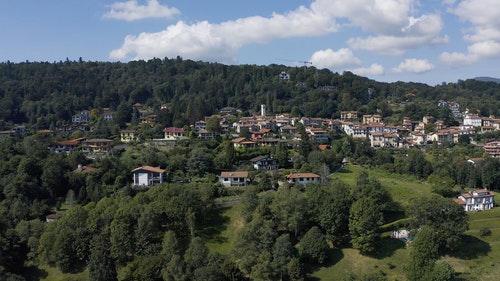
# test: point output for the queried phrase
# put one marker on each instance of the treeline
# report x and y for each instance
(41, 94)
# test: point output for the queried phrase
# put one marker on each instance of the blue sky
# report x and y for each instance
(429, 41)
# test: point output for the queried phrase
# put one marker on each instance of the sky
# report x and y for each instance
(427, 41)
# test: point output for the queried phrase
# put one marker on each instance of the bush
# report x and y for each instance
(485, 232)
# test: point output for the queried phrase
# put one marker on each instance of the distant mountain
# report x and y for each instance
(487, 79)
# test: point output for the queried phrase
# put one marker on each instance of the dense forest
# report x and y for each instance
(39, 93)
(116, 232)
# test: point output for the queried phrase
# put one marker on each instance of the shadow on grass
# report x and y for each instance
(334, 256)
(471, 248)
(215, 224)
(386, 248)
(33, 273)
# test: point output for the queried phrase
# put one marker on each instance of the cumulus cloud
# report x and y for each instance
(475, 52)
(200, 40)
(131, 11)
(374, 69)
(414, 66)
(422, 31)
(396, 27)
(484, 34)
(334, 59)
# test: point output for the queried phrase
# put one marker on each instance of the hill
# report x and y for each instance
(487, 79)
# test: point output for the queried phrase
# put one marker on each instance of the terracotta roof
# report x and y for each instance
(234, 174)
(173, 130)
(85, 169)
(149, 169)
(302, 175)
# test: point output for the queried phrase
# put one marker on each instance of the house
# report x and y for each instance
(206, 135)
(85, 169)
(348, 115)
(82, 117)
(148, 176)
(97, 145)
(107, 114)
(68, 146)
(302, 178)
(243, 143)
(492, 148)
(367, 119)
(128, 136)
(53, 217)
(476, 200)
(234, 178)
(472, 119)
(264, 163)
(173, 132)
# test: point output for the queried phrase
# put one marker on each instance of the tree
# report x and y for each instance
(313, 247)
(424, 253)
(282, 254)
(334, 207)
(288, 208)
(364, 219)
(196, 254)
(101, 264)
(447, 218)
(122, 236)
(213, 125)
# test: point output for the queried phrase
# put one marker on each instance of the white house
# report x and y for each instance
(302, 178)
(148, 176)
(234, 178)
(476, 200)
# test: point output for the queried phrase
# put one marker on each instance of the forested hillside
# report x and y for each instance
(66, 215)
(39, 93)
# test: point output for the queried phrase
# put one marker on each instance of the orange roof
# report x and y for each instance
(234, 174)
(302, 175)
(149, 169)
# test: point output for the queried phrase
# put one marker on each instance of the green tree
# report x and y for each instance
(313, 247)
(196, 254)
(447, 218)
(334, 207)
(288, 208)
(213, 124)
(282, 254)
(101, 265)
(364, 219)
(424, 253)
(122, 236)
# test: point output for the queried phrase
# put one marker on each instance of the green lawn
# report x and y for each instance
(401, 187)
(230, 222)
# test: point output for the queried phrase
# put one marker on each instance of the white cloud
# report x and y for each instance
(374, 69)
(200, 40)
(475, 52)
(334, 59)
(484, 33)
(414, 66)
(422, 31)
(382, 16)
(131, 11)
(395, 26)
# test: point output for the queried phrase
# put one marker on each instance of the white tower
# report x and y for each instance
(263, 110)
